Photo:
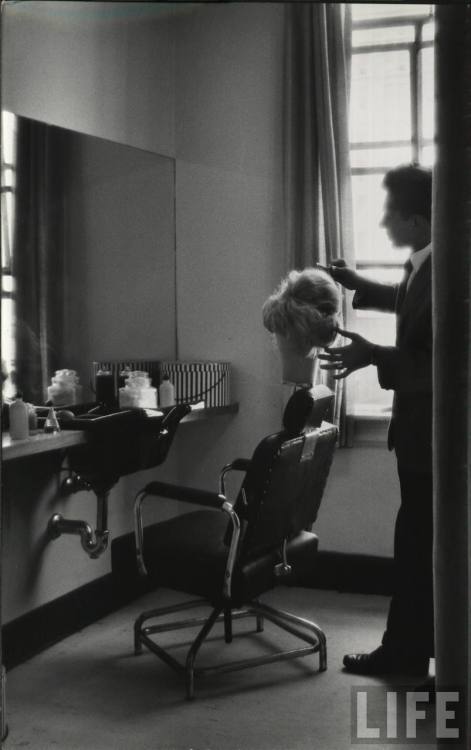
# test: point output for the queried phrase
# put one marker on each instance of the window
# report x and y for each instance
(391, 123)
(7, 212)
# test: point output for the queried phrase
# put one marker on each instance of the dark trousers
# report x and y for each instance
(410, 626)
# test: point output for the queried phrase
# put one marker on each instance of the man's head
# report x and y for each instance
(408, 206)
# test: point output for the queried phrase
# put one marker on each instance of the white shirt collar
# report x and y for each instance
(419, 257)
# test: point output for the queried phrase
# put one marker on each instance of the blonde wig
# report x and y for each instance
(304, 309)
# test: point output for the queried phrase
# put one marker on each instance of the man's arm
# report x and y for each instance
(370, 295)
(405, 369)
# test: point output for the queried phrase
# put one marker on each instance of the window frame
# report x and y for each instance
(416, 142)
(8, 187)
(378, 413)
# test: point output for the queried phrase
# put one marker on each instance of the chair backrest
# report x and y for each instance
(283, 488)
(308, 407)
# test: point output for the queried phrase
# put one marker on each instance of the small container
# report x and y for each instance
(105, 389)
(128, 398)
(166, 392)
(123, 376)
(51, 424)
(138, 392)
(65, 388)
(19, 419)
(32, 417)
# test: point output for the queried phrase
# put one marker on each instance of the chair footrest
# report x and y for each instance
(256, 661)
(299, 627)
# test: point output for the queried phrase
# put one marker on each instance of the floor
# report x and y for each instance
(91, 692)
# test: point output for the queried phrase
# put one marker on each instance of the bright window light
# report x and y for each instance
(391, 123)
(398, 11)
(7, 213)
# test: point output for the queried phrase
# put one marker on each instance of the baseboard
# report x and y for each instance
(30, 634)
(361, 574)
(357, 574)
(44, 626)
(35, 631)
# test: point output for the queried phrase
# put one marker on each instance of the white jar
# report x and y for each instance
(19, 419)
(138, 392)
(65, 388)
(128, 397)
(166, 392)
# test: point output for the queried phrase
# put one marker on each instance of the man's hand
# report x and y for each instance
(347, 359)
(344, 275)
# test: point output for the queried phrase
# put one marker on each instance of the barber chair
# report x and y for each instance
(228, 554)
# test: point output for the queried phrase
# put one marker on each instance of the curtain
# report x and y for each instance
(452, 368)
(318, 202)
(38, 263)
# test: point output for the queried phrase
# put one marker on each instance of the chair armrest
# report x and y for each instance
(190, 495)
(186, 494)
(239, 464)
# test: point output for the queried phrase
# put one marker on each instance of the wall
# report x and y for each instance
(206, 89)
(35, 570)
(359, 507)
(229, 208)
(104, 68)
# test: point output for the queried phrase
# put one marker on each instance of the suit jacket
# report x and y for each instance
(407, 367)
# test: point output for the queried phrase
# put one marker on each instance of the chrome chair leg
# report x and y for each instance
(191, 656)
(159, 612)
(228, 625)
(259, 620)
(137, 641)
(297, 626)
(306, 630)
(322, 647)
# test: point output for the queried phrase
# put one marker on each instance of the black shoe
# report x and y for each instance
(380, 662)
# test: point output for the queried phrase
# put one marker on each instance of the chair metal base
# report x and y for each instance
(301, 628)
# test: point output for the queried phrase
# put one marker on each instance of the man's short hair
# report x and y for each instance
(410, 188)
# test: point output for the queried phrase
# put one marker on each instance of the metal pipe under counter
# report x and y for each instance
(101, 448)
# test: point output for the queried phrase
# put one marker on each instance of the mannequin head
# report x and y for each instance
(302, 313)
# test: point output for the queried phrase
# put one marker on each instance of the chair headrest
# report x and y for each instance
(308, 407)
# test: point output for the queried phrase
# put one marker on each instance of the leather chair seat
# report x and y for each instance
(200, 565)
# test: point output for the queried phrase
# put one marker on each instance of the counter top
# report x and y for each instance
(41, 442)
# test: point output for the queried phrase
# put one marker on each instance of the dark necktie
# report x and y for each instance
(402, 289)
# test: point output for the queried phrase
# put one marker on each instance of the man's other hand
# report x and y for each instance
(344, 275)
(347, 359)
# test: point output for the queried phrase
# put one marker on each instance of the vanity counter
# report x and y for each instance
(41, 442)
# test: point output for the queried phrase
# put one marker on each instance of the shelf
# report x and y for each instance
(40, 443)
(43, 443)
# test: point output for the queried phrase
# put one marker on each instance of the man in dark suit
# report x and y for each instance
(405, 368)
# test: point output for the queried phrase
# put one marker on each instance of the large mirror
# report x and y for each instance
(89, 261)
